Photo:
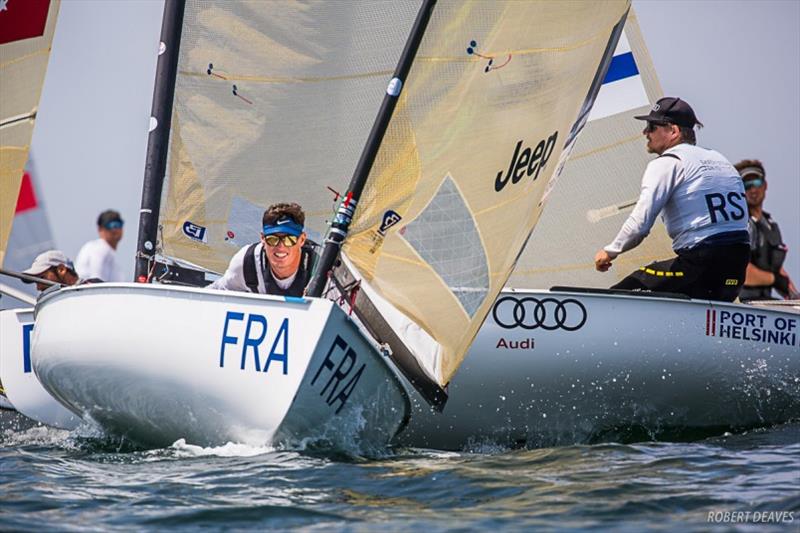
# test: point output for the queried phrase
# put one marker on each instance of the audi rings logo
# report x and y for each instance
(547, 313)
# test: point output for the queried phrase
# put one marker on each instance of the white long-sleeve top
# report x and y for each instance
(698, 192)
(233, 278)
(97, 259)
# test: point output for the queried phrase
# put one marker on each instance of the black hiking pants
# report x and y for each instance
(708, 273)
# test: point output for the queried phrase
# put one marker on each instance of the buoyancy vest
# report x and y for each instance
(298, 286)
(767, 252)
(767, 249)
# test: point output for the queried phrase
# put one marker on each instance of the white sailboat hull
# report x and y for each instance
(21, 386)
(158, 363)
(613, 367)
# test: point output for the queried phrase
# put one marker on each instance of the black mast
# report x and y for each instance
(158, 142)
(344, 215)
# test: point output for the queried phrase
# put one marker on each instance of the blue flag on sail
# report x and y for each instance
(622, 88)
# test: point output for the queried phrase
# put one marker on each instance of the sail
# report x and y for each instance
(30, 233)
(600, 182)
(26, 36)
(273, 103)
(493, 101)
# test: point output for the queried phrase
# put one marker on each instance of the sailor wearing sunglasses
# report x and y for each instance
(280, 263)
(767, 249)
(702, 203)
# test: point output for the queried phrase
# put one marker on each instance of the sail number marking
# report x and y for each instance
(255, 334)
(336, 369)
(27, 329)
(716, 204)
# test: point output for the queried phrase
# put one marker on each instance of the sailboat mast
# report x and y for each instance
(158, 141)
(347, 208)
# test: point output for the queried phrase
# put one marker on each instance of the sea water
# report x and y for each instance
(52, 480)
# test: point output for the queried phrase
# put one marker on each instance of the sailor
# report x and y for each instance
(704, 209)
(767, 250)
(280, 263)
(98, 258)
(53, 265)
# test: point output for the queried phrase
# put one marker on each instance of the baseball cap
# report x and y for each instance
(285, 225)
(671, 110)
(48, 260)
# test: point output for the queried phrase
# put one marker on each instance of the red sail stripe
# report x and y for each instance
(22, 19)
(708, 320)
(27, 196)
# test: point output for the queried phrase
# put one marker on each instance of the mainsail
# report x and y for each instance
(274, 102)
(600, 183)
(26, 35)
(491, 99)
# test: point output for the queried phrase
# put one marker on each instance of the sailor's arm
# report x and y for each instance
(658, 183)
(233, 278)
(756, 277)
(780, 281)
(784, 285)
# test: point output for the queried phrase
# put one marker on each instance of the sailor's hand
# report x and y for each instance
(602, 261)
(784, 285)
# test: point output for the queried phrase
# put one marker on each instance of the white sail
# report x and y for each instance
(600, 183)
(26, 35)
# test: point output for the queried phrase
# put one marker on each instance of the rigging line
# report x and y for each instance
(387, 255)
(501, 205)
(272, 79)
(620, 260)
(19, 118)
(523, 52)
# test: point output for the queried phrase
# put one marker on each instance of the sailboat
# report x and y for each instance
(479, 115)
(579, 364)
(26, 38)
(30, 235)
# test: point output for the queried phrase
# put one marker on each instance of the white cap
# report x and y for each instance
(47, 260)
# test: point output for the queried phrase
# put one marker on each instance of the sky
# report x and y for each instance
(736, 62)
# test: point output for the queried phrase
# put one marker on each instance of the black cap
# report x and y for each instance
(672, 111)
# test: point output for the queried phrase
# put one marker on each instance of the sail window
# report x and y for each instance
(446, 237)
